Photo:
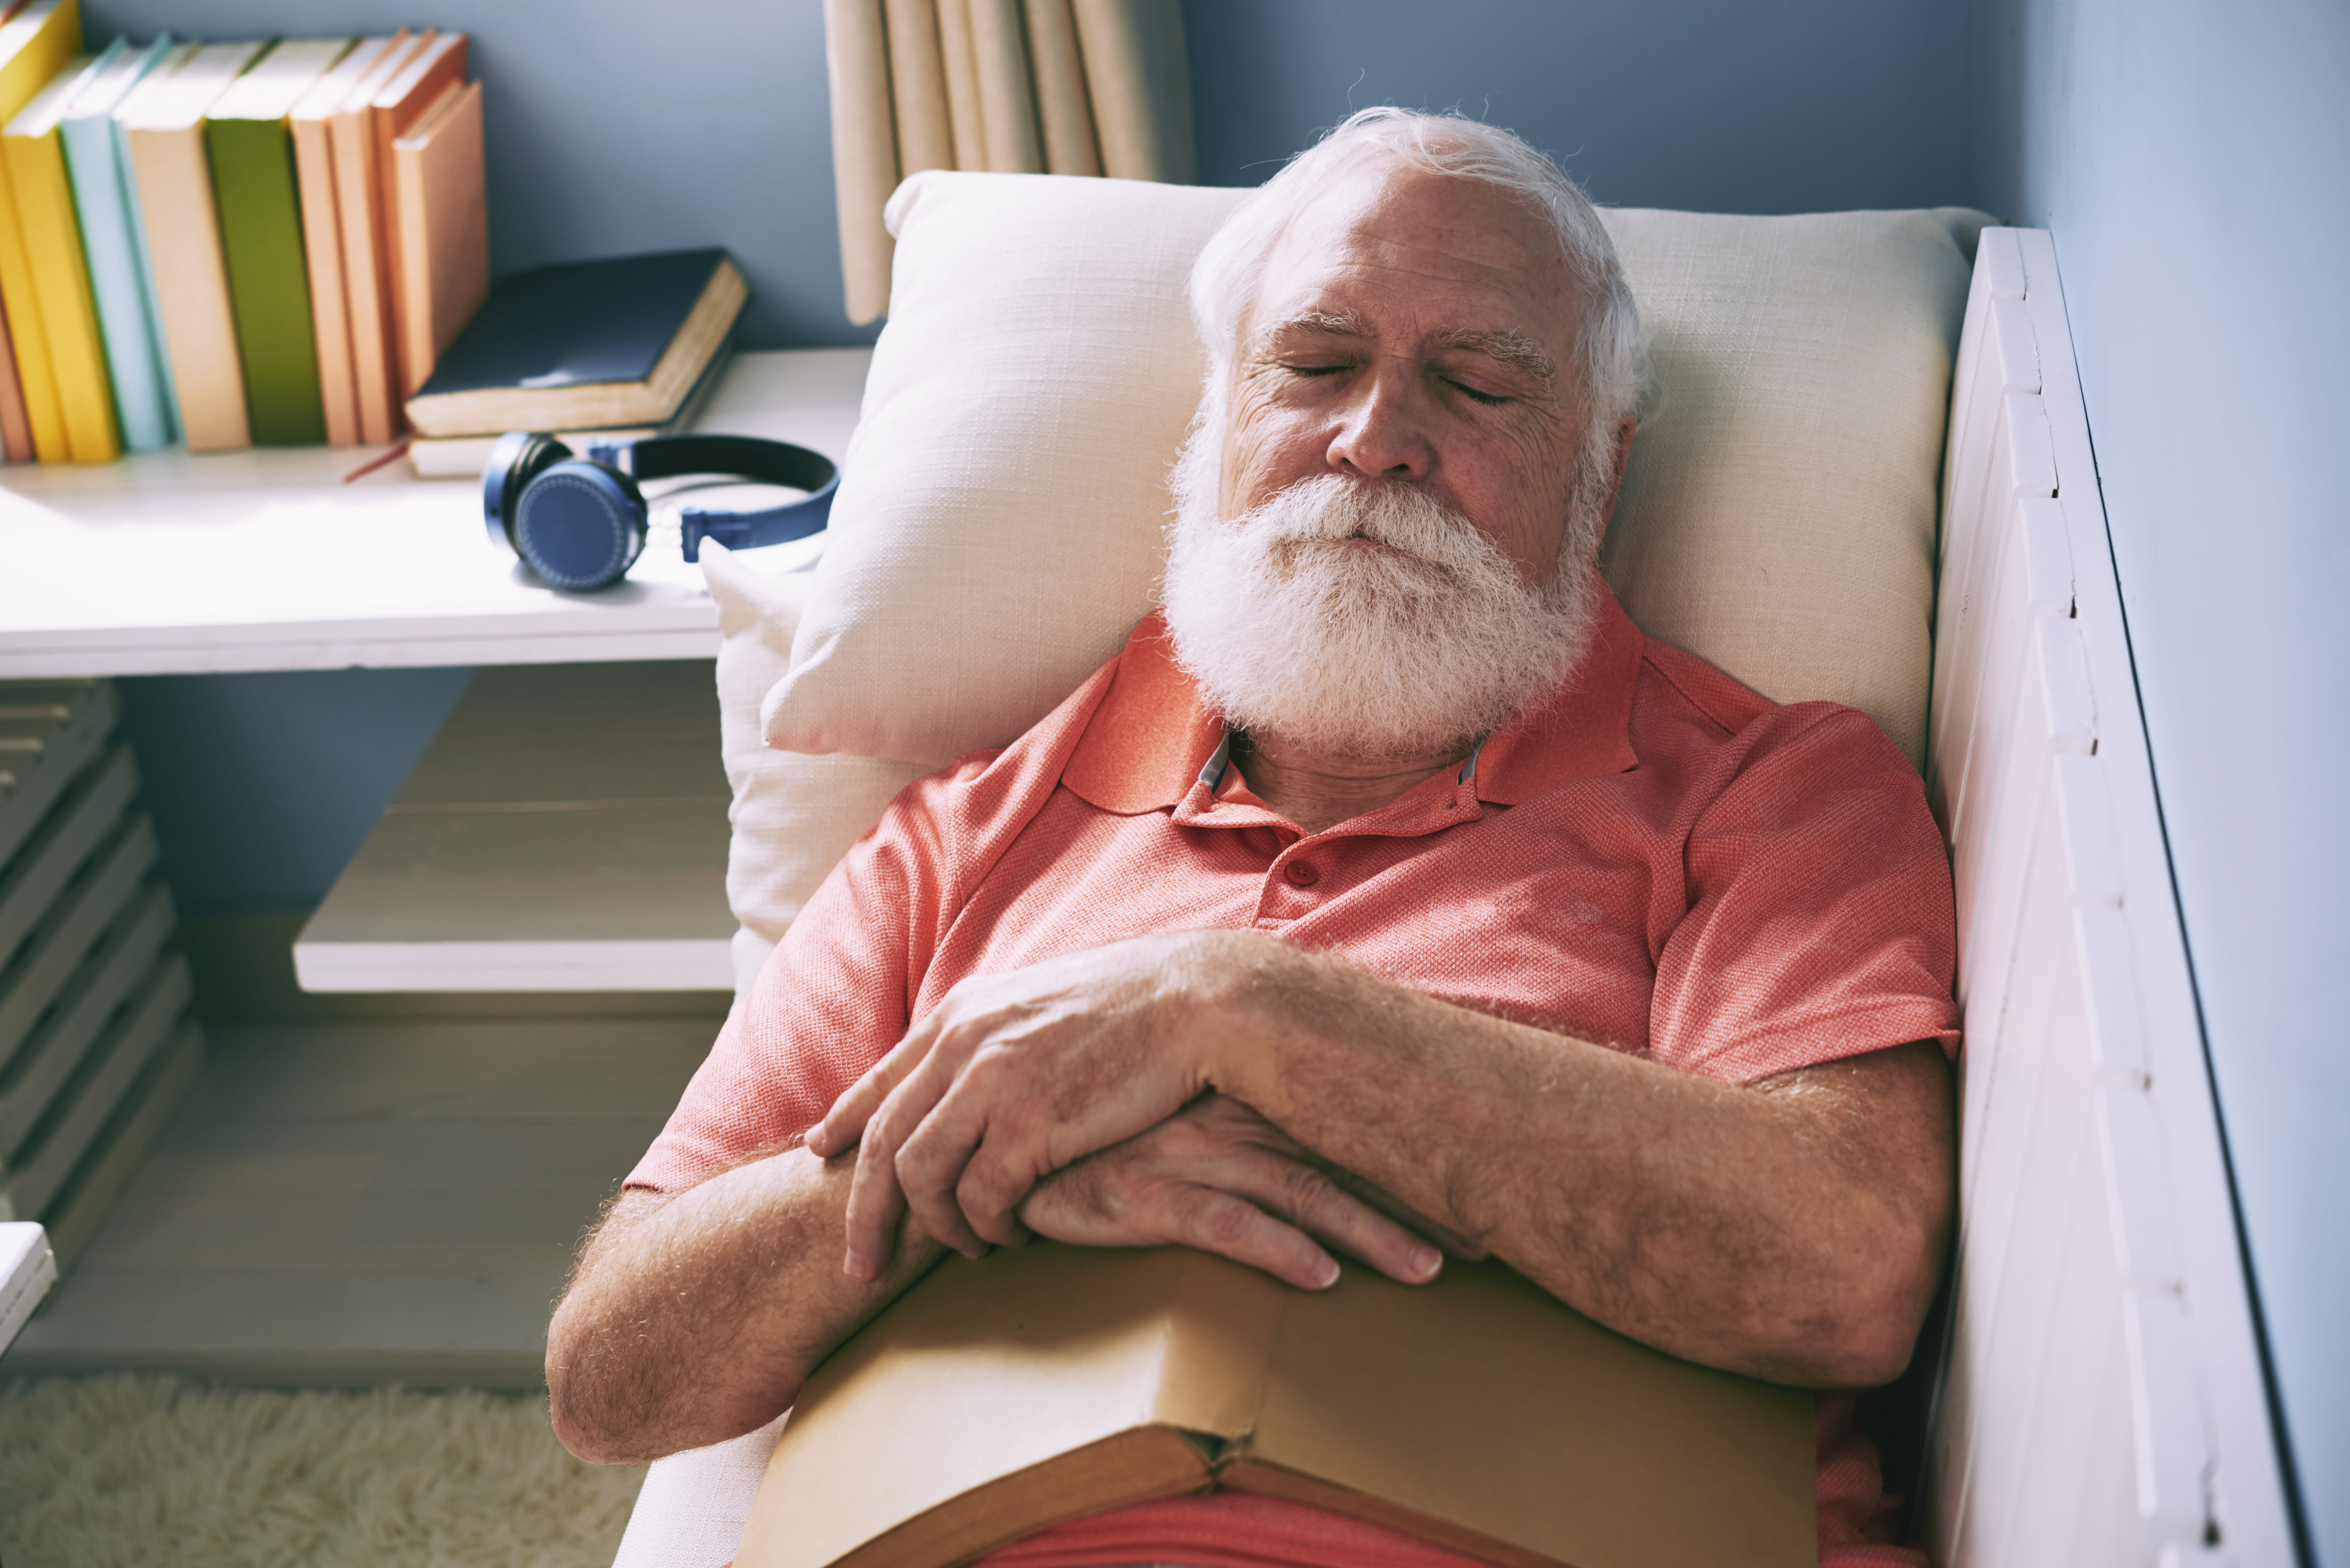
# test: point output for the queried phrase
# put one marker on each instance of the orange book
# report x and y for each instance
(322, 241)
(439, 191)
(366, 315)
(398, 108)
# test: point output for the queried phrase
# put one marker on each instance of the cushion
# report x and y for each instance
(690, 1511)
(1778, 518)
(794, 816)
(998, 529)
(996, 532)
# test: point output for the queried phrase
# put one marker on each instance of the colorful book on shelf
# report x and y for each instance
(322, 229)
(35, 43)
(614, 344)
(163, 125)
(115, 247)
(251, 152)
(399, 108)
(142, 253)
(465, 457)
(367, 313)
(15, 428)
(36, 156)
(441, 204)
(388, 107)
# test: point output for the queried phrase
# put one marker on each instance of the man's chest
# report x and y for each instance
(1552, 913)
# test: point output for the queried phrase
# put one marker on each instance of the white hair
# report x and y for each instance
(1230, 269)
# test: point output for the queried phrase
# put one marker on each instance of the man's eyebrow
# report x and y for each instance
(1319, 323)
(1514, 350)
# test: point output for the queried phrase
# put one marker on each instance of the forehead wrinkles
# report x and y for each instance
(1459, 259)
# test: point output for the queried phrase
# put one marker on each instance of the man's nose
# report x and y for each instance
(1382, 435)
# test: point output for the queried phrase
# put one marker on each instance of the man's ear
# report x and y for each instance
(1624, 430)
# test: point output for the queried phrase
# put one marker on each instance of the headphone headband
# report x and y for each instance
(754, 457)
(600, 497)
(751, 457)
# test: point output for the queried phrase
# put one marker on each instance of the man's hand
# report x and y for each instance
(1016, 1076)
(1219, 1177)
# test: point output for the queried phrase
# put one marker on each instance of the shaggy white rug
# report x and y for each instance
(101, 1471)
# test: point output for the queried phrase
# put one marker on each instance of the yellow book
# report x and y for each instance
(36, 156)
(34, 46)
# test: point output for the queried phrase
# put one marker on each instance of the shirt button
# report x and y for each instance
(1301, 875)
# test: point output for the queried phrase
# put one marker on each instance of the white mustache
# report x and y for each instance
(1332, 509)
(1434, 640)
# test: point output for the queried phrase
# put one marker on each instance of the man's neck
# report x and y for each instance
(1317, 789)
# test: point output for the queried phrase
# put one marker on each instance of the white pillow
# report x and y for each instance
(998, 529)
(794, 816)
(995, 535)
(1778, 517)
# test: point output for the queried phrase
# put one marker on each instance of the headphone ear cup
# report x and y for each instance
(579, 524)
(519, 457)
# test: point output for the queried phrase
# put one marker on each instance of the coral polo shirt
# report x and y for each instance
(1656, 861)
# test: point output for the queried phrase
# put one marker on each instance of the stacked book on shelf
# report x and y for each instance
(612, 349)
(97, 1044)
(229, 243)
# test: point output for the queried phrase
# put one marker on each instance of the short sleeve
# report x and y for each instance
(844, 984)
(835, 996)
(1821, 924)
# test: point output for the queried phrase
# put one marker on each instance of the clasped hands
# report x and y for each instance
(1098, 1098)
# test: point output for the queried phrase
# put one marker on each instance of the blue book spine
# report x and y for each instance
(114, 244)
(144, 256)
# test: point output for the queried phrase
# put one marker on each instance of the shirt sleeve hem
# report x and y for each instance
(1856, 1030)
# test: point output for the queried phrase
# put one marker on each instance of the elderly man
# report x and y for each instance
(1390, 893)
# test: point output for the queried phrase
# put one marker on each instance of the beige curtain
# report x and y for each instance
(1021, 87)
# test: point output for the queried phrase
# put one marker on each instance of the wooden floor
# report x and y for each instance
(348, 1201)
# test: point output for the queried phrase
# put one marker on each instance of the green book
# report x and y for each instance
(251, 152)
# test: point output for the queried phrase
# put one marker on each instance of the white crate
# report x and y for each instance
(96, 1043)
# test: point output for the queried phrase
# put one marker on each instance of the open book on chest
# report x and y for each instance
(1051, 1383)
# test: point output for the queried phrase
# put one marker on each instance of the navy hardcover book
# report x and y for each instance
(576, 324)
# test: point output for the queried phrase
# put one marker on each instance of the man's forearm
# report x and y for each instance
(1791, 1232)
(694, 1318)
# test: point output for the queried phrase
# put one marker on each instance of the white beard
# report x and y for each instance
(1294, 628)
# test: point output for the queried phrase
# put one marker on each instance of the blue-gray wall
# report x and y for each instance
(1705, 105)
(2193, 162)
(262, 787)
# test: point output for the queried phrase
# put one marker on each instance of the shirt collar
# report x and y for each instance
(1149, 742)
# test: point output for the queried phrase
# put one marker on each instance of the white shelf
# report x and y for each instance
(566, 831)
(168, 562)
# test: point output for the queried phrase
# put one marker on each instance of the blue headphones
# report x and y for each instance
(579, 522)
